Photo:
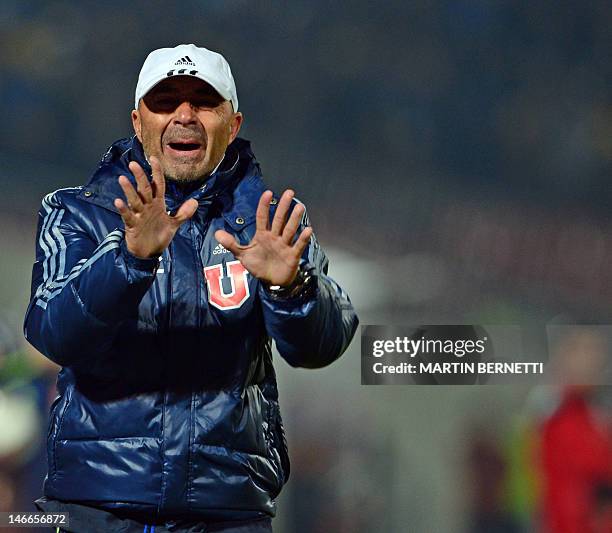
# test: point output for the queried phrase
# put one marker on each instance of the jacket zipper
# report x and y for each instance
(198, 274)
(167, 323)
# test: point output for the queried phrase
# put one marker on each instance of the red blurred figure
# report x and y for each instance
(576, 445)
(577, 459)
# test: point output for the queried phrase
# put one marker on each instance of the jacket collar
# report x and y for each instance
(102, 189)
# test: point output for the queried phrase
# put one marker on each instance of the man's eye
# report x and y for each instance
(165, 102)
(206, 101)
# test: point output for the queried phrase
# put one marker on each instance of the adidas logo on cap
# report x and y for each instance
(185, 61)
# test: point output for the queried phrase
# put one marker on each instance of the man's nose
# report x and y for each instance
(185, 113)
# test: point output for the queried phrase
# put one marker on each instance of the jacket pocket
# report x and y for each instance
(52, 415)
(280, 442)
(268, 426)
(58, 413)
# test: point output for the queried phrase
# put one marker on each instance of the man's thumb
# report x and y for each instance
(186, 211)
(226, 240)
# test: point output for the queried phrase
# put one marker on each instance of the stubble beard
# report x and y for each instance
(187, 172)
(187, 175)
(178, 171)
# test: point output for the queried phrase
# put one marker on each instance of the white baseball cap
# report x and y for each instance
(187, 60)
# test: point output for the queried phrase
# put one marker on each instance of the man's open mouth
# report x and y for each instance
(184, 146)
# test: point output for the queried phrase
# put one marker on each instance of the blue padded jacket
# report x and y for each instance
(167, 399)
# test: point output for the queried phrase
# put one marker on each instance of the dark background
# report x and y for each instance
(455, 159)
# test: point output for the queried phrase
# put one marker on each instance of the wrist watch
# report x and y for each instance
(302, 284)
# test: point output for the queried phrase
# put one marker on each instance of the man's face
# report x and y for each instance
(187, 125)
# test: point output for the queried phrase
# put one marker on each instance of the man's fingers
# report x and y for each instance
(262, 216)
(227, 241)
(158, 178)
(186, 211)
(144, 188)
(133, 200)
(281, 212)
(293, 224)
(126, 214)
(302, 241)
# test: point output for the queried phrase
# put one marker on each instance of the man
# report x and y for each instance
(158, 287)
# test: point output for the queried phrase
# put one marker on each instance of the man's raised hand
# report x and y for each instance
(148, 227)
(273, 255)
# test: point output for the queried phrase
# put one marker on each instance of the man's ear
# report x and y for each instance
(136, 124)
(235, 124)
